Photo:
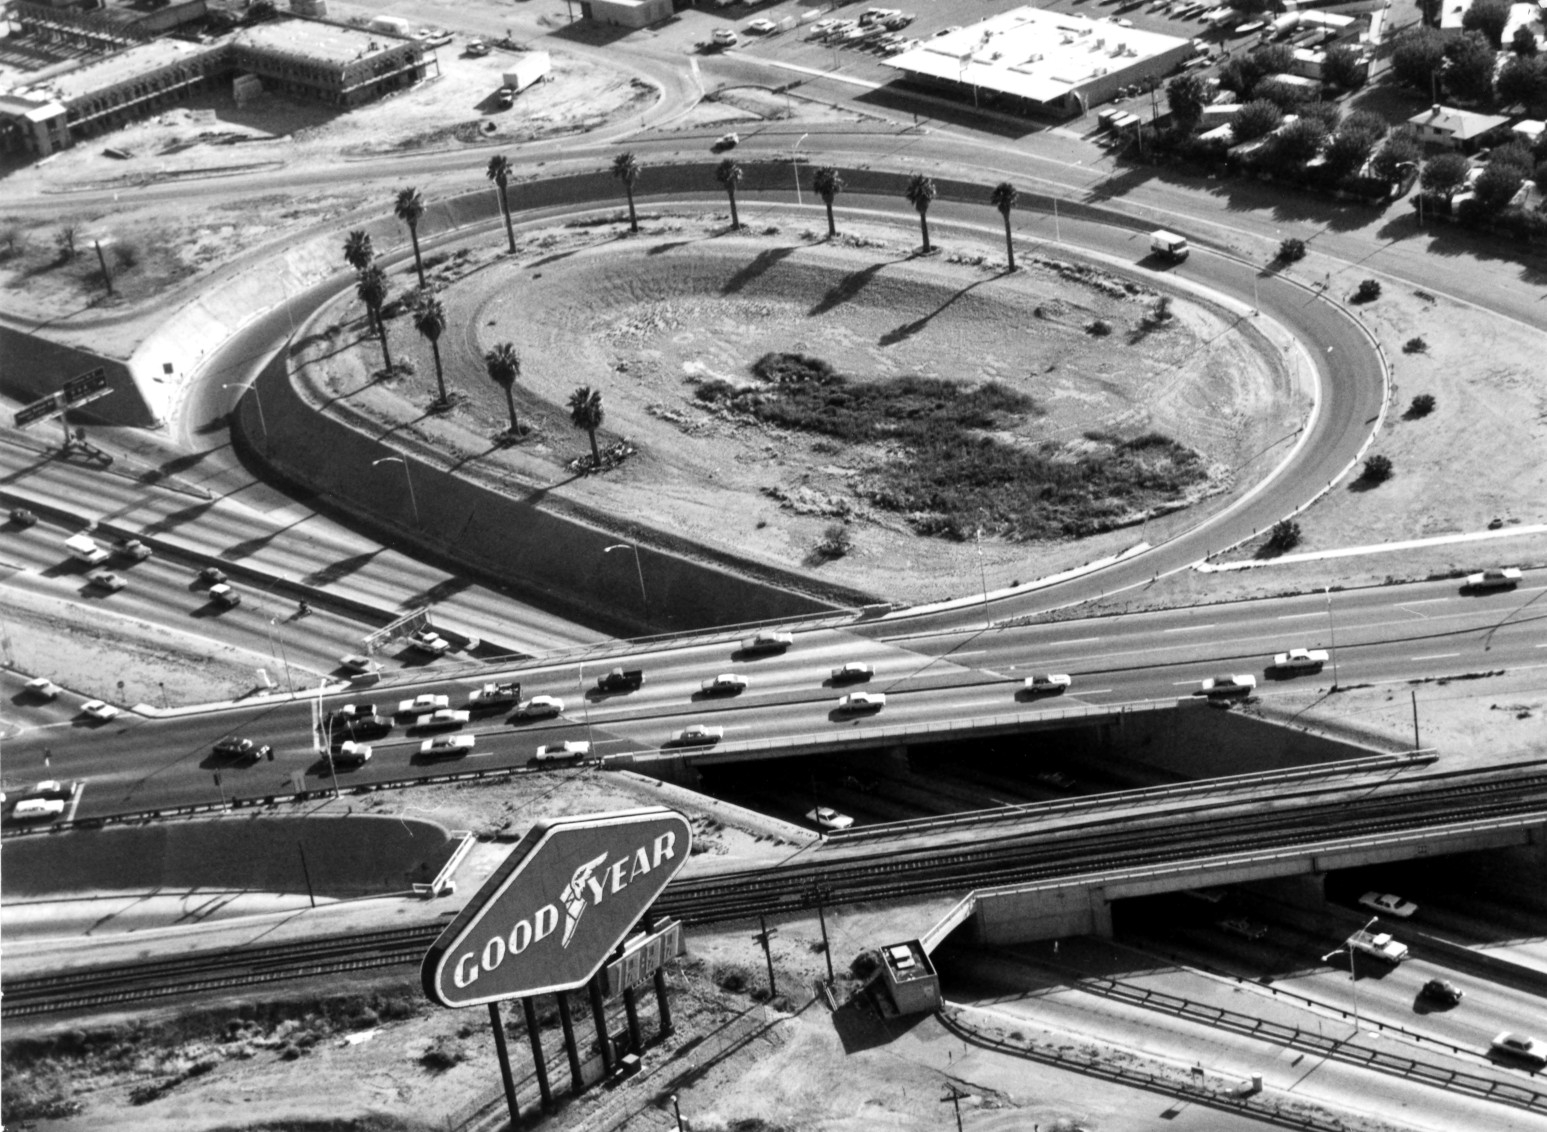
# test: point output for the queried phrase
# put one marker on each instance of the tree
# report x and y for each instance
(504, 366)
(1241, 74)
(626, 168)
(1186, 96)
(1367, 291)
(358, 252)
(1378, 469)
(1274, 58)
(828, 184)
(921, 192)
(1444, 173)
(1347, 152)
(1523, 80)
(729, 174)
(1487, 18)
(371, 286)
(1254, 120)
(1417, 57)
(1003, 198)
(261, 10)
(1296, 143)
(1327, 113)
(1469, 70)
(1540, 176)
(409, 208)
(1422, 405)
(499, 172)
(1288, 97)
(1291, 250)
(1497, 186)
(585, 411)
(430, 320)
(1396, 152)
(1343, 68)
(1523, 42)
(65, 239)
(1285, 536)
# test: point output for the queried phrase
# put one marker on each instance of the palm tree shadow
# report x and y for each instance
(662, 249)
(497, 445)
(409, 423)
(848, 287)
(760, 263)
(909, 329)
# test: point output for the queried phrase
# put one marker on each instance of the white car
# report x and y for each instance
(351, 752)
(1506, 578)
(444, 719)
(698, 734)
(1523, 1046)
(100, 710)
(571, 751)
(769, 640)
(426, 702)
(42, 687)
(445, 746)
(726, 683)
(1123, 23)
(1388, 904)
(223, 595)
(762, 27)
(862, 701)
(1300, 660)
(824, 817)
(1047, 682)
(540, 707)
(724, 37)
(428, 640)
(822, 26)
(854, 670)
(107, 580)
(1227, 685)
(357, 663)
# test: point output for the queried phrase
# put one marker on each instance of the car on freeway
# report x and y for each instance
(49, 788)
(1504, 578)
(224, 596)
(476, 47)
(540, 707)
(724, 142)
(854, 670)
(233, 748)
(107, 580)
(1057, 779)
(1388, 904)
(132, 548)
(769, 640)
(494, 696)
(354, 662)
(724, 37)
(212, 575)
(364, 727)
(862, 701)
(1442, 990)
(762, 27)
(99, 710)
(829, 819)
(1228, 685)
(1242, 927)
(446, 746)
(424, 702)
(699, 734)
(443, 720)
(350, 751)
(22, 517)
(428, 640)
(946, 31)
(347, 713)
(1521, 1046)
(725, 684)
(571, 752)
(1047, 682)
(41, 687)
(1300, 660)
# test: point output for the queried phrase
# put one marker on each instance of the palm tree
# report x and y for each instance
(430, 320)
(828, 184)
(585, 411)
(358, 252)
(499, 173)
(920, 191)
(1003, 198)
(372, 289)
(504, 366)
(626, 169)
(728, 174)
(409, 208)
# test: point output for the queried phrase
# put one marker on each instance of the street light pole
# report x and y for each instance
(1332, 630)
(276, 636)
(252, 385)
(643, 598)
(795, 164)
(408, 477)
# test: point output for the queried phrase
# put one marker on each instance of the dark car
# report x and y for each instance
(213, 575)
(1441, 990)
(21, 517)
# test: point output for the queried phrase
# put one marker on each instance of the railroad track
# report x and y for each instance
(1176, 836)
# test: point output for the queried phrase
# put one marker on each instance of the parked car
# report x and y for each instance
(132, 548)
(1386, 903)
(1243, 928)
(99, 710)
(1300, 660)
(697, 735)
(354, 662)
(41, 687)
(1228, 685)
(769, 640)
(446, 746)
(1504, 578)
(828, 819)
(854, 670)
(1047, 682)
(856, 702)
(22, 517)
(107, 580)
(1441, 990)
(476, 47)
(1521, 1046)
(726, 683)
(540, 707)
(426, 701)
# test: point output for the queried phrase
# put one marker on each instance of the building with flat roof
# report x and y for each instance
(1043, 61)
(627, 13)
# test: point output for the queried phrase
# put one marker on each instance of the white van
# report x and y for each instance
(37, 809)
(1168, 245)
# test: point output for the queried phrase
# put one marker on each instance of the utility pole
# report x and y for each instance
(763, 937)
(955, 1097)
(1416, 744)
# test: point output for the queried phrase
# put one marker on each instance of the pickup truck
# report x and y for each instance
(1378, 944)
(132, 548)
(1300, 660)
(428, 640)
(494, 696)
(621, 680)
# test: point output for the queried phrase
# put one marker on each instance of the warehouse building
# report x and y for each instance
(1042, 61)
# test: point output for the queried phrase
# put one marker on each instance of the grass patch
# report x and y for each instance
(949, 476)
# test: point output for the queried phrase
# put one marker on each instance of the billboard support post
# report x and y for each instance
(827, 950)
(763, 938)
(663, 1006)
(599, 1018)
(538, 1064)
(566, 1019)
(504, 1058)
(636, 1042)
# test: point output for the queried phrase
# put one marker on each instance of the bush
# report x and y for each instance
(1422, 405)
(837, 541)
(445, 1053)
(1368, 291)
(1291, 250)
(1100, 328)
(1415, 346)
(1284, 536)
(1378, 469)
(785, 368)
